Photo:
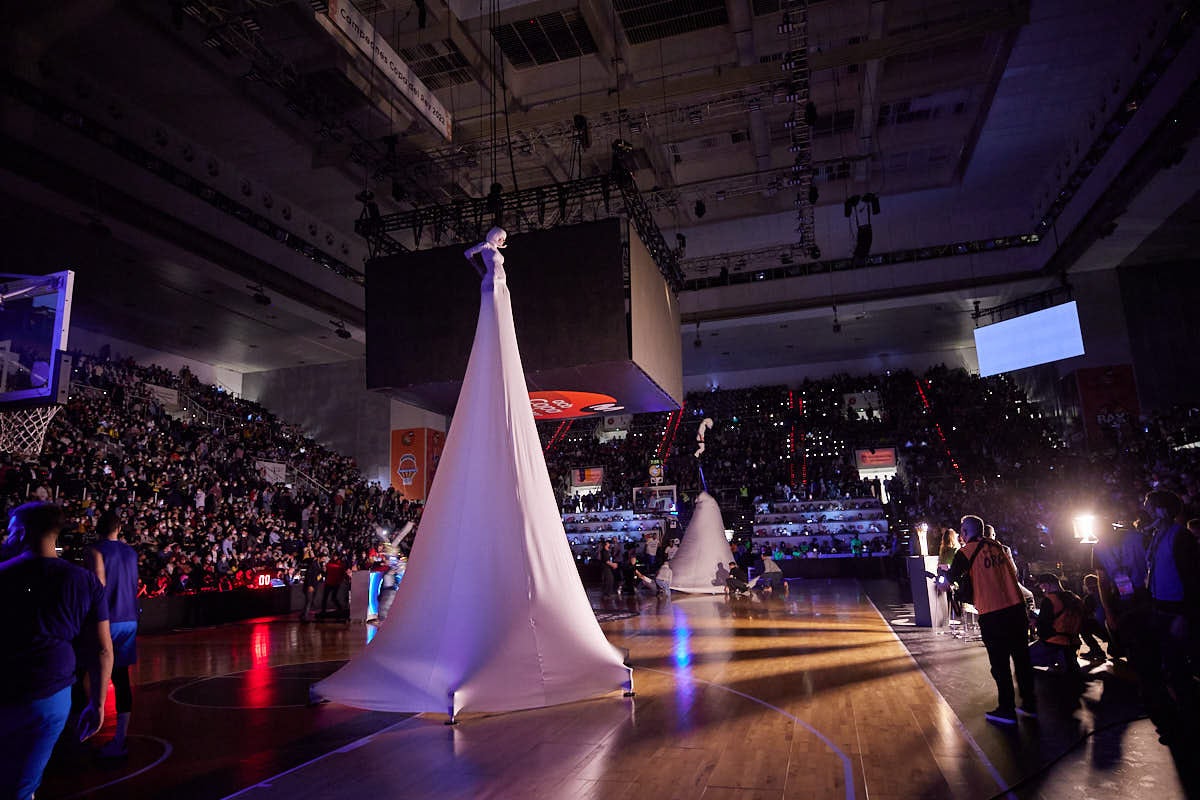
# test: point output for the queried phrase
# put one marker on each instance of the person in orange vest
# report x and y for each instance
(987, 578)
(1059, 620)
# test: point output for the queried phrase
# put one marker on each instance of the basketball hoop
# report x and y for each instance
(23, 430)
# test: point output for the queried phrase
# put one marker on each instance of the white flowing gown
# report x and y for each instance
(704, 552)
(491, 614)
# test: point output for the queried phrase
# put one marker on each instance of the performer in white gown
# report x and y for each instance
(491, 614)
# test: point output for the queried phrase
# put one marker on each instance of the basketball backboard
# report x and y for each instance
(35, 318)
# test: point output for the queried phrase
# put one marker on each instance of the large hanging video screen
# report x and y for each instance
(1028, 340)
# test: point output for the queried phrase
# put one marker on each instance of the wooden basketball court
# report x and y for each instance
(805, 696)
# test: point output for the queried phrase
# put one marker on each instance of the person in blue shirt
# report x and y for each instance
(115, 565)
(1173, 581)
(51, 607)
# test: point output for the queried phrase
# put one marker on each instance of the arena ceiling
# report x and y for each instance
(251, 125)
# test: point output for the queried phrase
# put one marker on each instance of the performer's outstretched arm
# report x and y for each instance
(470, 256)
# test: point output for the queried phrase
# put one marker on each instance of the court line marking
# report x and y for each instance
(346, 748)
(847, 765)
(167, 750)
(962, 728)
(171, 696)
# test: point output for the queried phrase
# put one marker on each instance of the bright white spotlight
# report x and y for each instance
(1085, 528)
(923, 538)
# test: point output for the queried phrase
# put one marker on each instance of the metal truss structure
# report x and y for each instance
(596, 197)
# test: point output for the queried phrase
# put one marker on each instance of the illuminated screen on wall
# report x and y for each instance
(1028, 340)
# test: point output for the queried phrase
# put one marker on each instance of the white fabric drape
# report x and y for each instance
(700, 564)
(491, 614)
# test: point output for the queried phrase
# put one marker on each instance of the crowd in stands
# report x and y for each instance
(195, 505)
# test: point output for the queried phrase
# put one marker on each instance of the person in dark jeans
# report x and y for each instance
(608, 571)
(1173, 578)
(1003, 620)
(1094, 630)
(335, 576)
(313, 576)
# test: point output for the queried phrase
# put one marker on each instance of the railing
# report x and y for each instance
(311, 481)
(191, 405)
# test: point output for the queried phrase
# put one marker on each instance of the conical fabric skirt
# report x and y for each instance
(491, 614)
(703, 556)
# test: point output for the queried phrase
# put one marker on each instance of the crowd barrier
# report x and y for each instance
(160, 614)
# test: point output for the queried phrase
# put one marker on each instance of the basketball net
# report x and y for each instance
(23, 430)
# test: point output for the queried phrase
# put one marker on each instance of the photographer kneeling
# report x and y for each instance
(1059, 620)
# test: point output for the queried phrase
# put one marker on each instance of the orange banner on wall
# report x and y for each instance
(415, 456)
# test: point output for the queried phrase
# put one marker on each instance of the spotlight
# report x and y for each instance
(814, 253)
(339, 328)
(1085, 528)
(700, 209)
(259, 295)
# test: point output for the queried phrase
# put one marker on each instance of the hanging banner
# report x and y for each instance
(861, 405)
(167, 397)
(408, 463)
(1108, 402)
(272, 471)
(354, 26)
(877, 458)
(587, 478)
(435, 441)
(415, 456)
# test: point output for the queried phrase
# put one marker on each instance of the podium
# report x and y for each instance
(931, 609)
(364, 595)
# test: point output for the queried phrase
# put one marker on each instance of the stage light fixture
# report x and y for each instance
(583, 130)
(851, 203)
(872, 199)
(259, 295)
(814, 253)
(1085, 528)
(339, 328)
(700, 209)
